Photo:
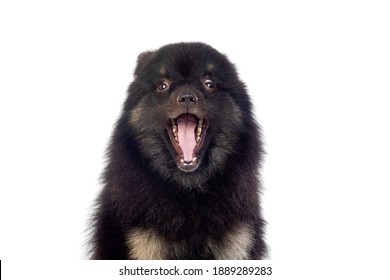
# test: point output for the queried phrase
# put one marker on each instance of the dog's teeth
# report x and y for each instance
(199, 130)
(174, 130)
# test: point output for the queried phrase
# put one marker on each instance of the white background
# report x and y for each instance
(318, 73)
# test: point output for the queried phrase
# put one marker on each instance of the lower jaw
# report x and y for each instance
(188, 167)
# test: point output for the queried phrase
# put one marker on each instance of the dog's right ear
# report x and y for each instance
(141, 60)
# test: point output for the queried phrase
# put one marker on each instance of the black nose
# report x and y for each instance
(187, 100)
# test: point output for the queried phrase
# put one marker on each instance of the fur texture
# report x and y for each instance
(182, 178)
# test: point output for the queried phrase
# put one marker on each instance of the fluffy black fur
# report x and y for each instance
(189, 207)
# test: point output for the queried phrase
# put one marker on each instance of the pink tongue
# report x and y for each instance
(186, 131)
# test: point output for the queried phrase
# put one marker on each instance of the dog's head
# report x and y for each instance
(186, 108)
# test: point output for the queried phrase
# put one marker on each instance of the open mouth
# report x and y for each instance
(187, 133)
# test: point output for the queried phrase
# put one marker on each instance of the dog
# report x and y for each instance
(182, 176)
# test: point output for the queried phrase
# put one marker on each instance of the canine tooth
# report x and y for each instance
(198, 130)
(174, 129)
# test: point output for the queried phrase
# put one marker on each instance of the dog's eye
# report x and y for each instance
(210, 85)
(162, 86)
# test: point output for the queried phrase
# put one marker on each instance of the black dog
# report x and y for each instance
(182, 175)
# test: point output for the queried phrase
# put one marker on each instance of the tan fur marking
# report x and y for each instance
(163, 71)
(136, 115)
(235, 245)
(210, 67)
(146, 245)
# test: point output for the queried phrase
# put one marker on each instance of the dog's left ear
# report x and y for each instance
(141, 60)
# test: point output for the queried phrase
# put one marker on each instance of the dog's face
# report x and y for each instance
(186, 108)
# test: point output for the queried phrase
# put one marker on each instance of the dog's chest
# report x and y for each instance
(147, 244)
